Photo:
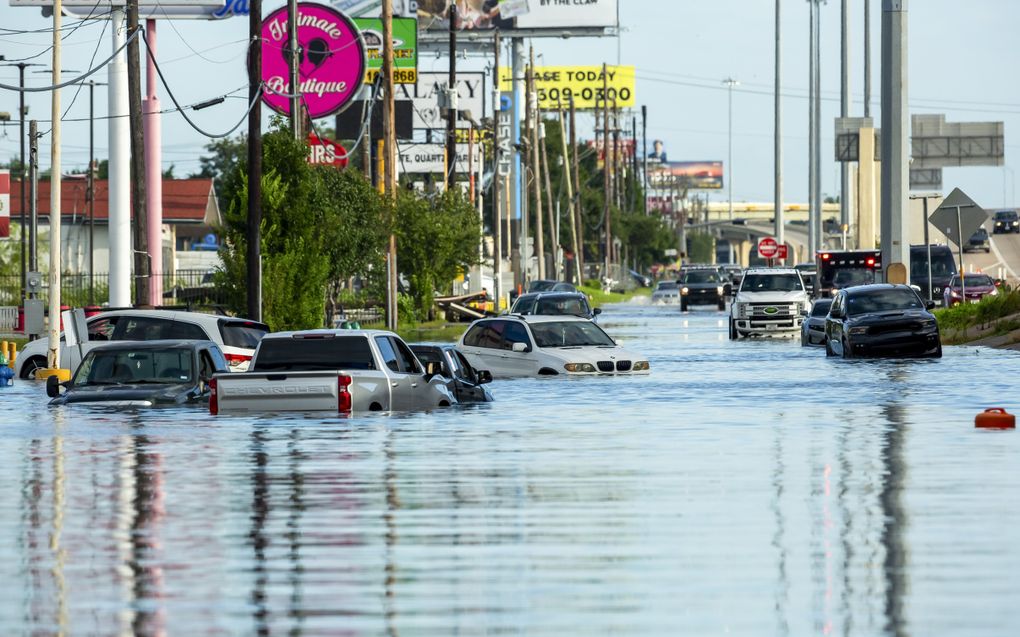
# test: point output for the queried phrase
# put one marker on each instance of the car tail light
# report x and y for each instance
(343, 394)
(826, 256)
(214, 400)
(871, 262)
(233, 360)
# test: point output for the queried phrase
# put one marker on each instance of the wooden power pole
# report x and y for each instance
(607, 178)
(579, 219)
(253, 251)
(389, 159)
(536, 164)
(138, 208)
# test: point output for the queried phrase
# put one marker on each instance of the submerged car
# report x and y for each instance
(142, 374)
(975, 286)
(547, 285)
(812, 330)
(554, 303)
(881, 320)
(467, 384)
(546, 346)
(703, 287)
(666, 292)
(770, 302)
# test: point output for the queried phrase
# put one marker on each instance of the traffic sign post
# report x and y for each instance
(958, 217)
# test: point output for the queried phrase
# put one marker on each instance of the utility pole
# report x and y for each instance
(389, 161)
(817, 160)
(53, 348)
(138, 207)
(644, 157)
(607, 187)
(576, 203)
(33, 186)
(517, 212)
(575, 244)
(497, 180)
(91, 192)
(253, 252)
(452, 103)
(844, 110)
(813, 216)
(153, 170)
(779, 229)
(536, 164)
(295, 64)
(119, 183)
(730, 83)
(550, 211)
(895, 143)
(867, 58)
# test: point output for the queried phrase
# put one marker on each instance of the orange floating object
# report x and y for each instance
(995, 418)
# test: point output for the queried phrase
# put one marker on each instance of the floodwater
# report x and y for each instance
(750, 488)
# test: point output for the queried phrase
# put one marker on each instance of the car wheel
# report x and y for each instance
(32, 364)
(733, 330)
(722, 304)
(683, 305)
(847, 352)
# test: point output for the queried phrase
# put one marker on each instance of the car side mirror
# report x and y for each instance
(521, 347)
(596, 311)
(929, 305)
(52, 386)
(484, 376)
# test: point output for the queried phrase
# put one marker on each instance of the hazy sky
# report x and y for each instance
(962, 59)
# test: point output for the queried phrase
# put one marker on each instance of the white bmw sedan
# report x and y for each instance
(515, 345)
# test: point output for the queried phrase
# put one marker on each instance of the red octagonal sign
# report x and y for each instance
(767, 248)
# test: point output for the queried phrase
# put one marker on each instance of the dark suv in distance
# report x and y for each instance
(703, 286)
(881, 320)
(1006, 221)
(978, 242)
(565, 303)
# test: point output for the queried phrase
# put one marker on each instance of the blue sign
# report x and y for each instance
(232, 8)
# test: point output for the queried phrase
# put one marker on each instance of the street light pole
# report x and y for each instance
(730, 83)
(779, 229)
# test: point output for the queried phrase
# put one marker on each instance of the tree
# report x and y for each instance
(437, 238)
(225, 155)
(169, 172)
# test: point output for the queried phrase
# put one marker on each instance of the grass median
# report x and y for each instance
(994, 315)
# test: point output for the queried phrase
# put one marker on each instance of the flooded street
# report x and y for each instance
(746, 488)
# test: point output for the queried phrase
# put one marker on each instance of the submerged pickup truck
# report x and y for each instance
(336, 371)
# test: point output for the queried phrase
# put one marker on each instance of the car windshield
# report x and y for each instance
(570, 334)
(973, 280)
(882, 301)
(771, 283)
(541, 286)
(980, 235)
(1005, 215)
(853, 276)
(666, 285)
(702, 276)
(119, 367)
(821, 308)
(575, 306)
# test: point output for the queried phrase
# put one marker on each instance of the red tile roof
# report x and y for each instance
(184, 200)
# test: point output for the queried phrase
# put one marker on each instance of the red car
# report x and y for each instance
(978, 286)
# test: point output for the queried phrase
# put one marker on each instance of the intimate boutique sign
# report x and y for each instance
(331, 63)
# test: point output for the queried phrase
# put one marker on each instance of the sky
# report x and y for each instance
(962, 59)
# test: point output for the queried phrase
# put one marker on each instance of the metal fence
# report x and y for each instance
(183, 287)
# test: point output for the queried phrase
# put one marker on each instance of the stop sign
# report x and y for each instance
(326, 152)
(767, 248)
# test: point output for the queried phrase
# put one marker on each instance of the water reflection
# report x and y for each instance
(730, 491)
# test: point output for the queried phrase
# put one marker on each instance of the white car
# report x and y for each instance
(513, 345)
(666, 292)
(770, 302)
(236, 337)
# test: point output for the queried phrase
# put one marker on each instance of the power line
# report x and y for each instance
(44, 89)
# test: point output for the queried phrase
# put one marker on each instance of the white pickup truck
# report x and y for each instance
(769, 302)
(335, 371)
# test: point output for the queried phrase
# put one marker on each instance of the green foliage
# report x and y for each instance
(700, 247)
(436, 238)
(647, 236)
(988, 310)
(225, 155)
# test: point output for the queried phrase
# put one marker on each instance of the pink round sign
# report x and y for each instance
(331, 63)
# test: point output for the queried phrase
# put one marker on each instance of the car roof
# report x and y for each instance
(177, 315)
(327, 332)
(536, 318)
(772, 271)
(872, 287)
(552, 294)
(158, 344)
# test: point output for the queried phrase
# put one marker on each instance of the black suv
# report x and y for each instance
(703, 286)
(566, 303)
(1006, 221)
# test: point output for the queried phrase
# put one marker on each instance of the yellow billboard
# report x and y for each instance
(555, 86)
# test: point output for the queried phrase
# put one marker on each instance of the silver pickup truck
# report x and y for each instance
(336, 371)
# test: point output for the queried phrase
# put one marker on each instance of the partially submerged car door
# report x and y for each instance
(401, 396)
(422, 392)
(465, 378)
(518, 363)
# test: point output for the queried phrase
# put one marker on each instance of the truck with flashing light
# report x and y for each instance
(838, 269)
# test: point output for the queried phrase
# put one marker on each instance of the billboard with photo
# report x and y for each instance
(693, 175)
(507, 15)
